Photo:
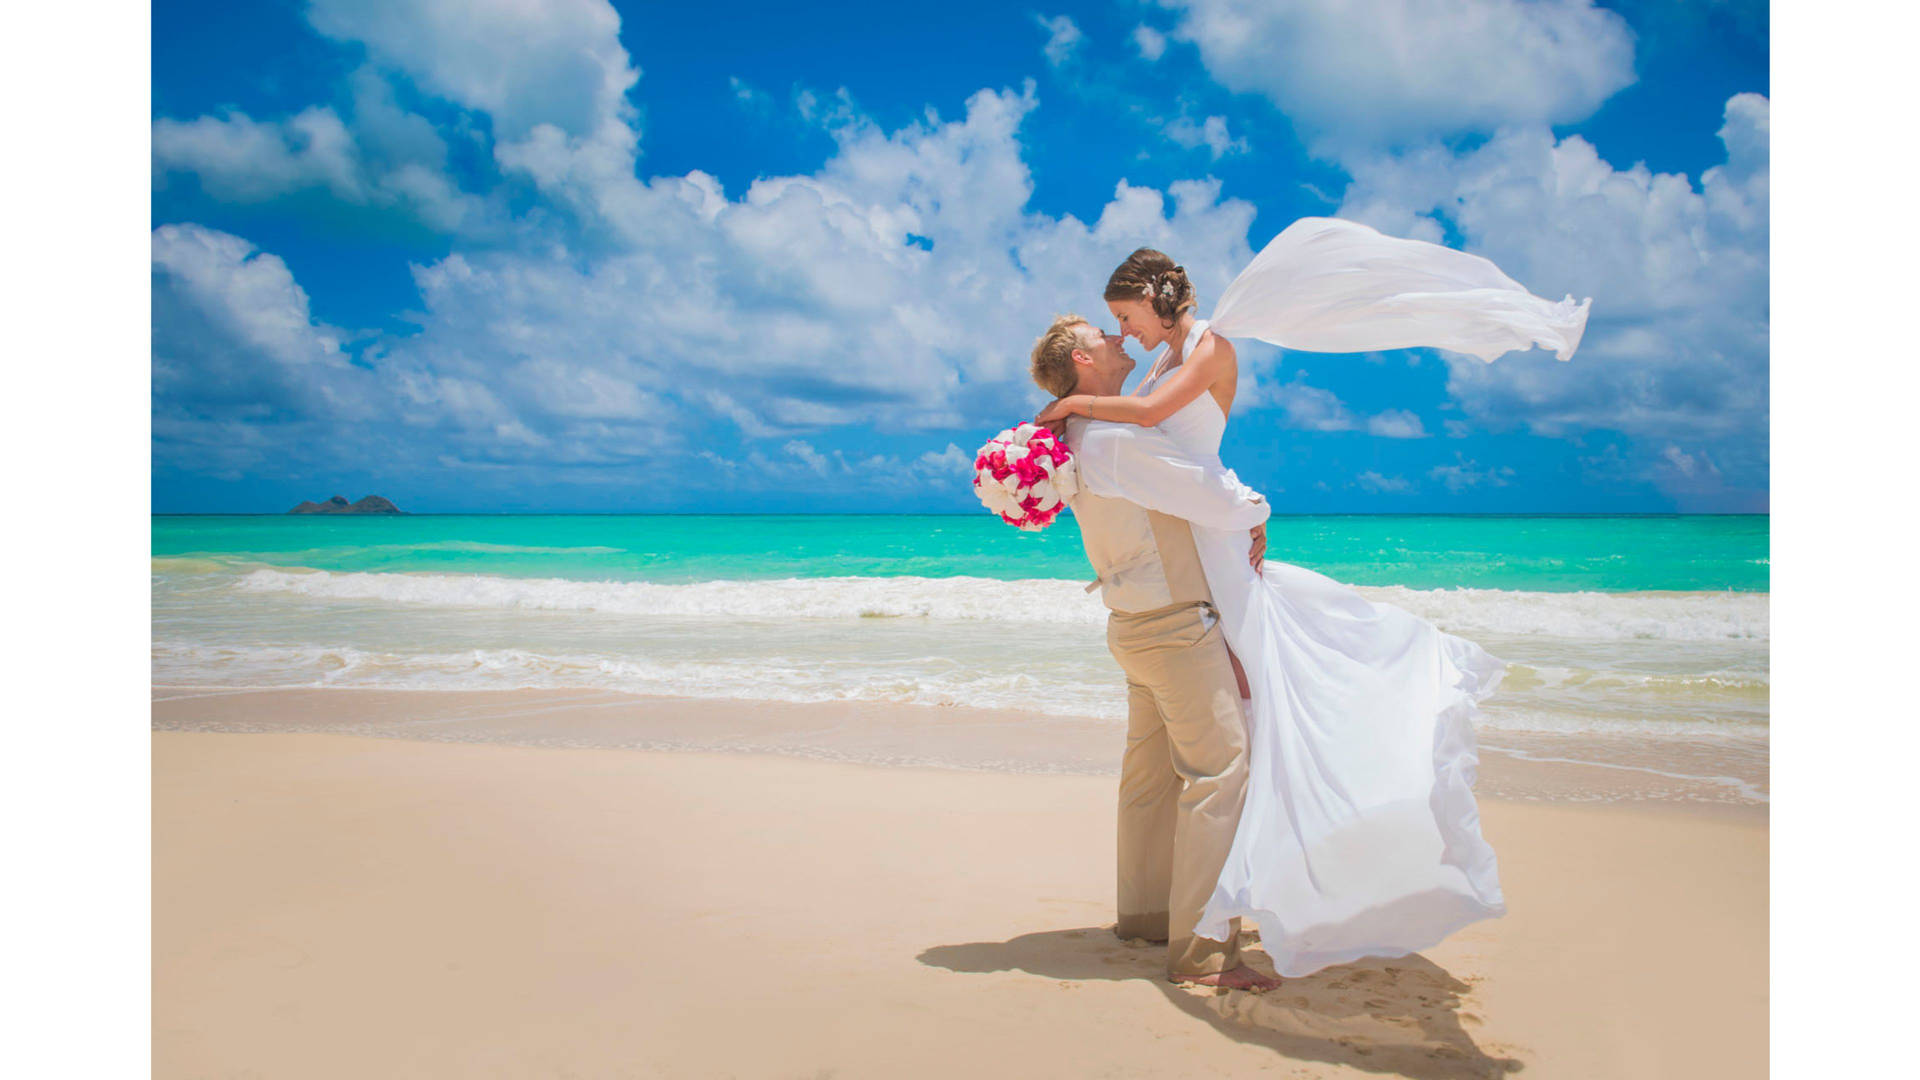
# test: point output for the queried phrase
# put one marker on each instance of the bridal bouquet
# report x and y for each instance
(1025, 474)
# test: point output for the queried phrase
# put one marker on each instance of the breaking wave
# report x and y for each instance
(1703, 616)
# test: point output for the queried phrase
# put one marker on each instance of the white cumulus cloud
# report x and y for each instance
(1063, 38)
(1312, 408)
(1151, 43)
(556, 63)
(241, 367)
(1210, 133)
(1396, 424)
(1464, 474)
(1386, 71)
(1384, 485)
(232, 320)
(385, 159)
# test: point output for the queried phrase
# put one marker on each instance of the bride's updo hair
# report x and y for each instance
(1149, 275)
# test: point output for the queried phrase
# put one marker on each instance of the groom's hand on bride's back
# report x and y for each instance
(1057, 425)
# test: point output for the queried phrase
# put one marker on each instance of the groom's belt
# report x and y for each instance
(1208, 613)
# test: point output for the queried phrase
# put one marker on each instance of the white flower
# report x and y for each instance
(1066, 480)
(995, 498)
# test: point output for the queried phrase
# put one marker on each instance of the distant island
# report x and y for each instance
(372, 504)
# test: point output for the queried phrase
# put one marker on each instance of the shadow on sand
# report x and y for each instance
(1400, 1017)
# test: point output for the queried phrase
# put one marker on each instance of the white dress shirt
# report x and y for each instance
(1146, 467)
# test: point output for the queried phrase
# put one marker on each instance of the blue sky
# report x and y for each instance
(490, 256)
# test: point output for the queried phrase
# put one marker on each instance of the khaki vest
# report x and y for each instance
(1146, 560)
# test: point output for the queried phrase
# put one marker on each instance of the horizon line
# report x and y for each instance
(948, 513)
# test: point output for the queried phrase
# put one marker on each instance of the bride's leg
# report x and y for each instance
(1239, 674)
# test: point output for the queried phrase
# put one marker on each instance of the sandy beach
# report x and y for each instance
(328, 903)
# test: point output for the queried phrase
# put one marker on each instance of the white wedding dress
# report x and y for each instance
(1360, 835)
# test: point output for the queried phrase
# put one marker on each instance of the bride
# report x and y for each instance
(1360, 835)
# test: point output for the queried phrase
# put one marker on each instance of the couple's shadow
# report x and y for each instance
(1399, 1016)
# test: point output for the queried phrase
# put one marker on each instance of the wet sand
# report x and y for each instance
(1727, 775)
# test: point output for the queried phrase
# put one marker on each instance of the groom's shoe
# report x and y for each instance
(1240, 978)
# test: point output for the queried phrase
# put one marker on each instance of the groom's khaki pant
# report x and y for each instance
(1182, 780)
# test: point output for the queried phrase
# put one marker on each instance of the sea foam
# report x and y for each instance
(1576, 615)
(1085, 691)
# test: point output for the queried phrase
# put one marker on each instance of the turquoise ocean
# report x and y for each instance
(1638, 628)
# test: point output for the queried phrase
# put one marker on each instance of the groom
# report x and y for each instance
(1183, 776)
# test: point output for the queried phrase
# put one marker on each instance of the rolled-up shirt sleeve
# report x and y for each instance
(1145, 466)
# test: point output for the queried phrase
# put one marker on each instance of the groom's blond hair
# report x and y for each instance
(1053, 366)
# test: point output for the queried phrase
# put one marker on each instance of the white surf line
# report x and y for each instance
(1746, 788)
(212, 692)
(276, 688)
(571, 699)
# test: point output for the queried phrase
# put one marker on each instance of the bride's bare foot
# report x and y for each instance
(1240, 978)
